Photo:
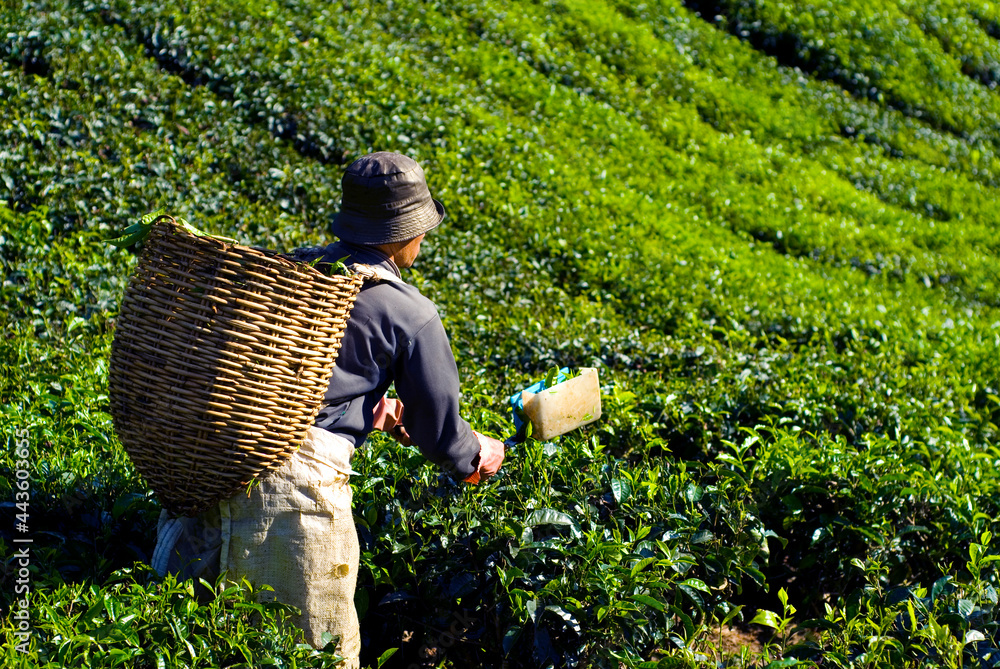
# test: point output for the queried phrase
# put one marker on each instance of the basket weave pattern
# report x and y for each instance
(222, 354)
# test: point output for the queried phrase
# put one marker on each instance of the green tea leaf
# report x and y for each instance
(621, 490)
(767, 618)
(383, 658)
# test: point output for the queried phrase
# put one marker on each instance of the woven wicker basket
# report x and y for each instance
(222, 354)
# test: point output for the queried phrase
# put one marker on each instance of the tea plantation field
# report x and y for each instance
(773, 227)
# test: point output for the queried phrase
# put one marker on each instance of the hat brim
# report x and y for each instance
(371, 231)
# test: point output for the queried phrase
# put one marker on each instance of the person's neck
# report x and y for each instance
(392, 251)
(403, 253)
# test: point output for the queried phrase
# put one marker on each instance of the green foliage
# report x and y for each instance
(772, 226)
(951, 624)
(135, 619)
(138, 232)
(879, 53)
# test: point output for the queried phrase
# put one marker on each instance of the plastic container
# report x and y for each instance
(565, 406)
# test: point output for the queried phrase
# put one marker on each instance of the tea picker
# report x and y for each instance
(211, 389)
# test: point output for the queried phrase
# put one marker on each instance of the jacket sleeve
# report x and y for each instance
(426, 379)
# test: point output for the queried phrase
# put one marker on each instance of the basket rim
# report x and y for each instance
(276, 256)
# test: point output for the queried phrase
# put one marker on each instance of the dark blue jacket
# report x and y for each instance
(395, 335)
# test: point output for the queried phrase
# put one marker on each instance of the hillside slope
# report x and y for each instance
(772, 226)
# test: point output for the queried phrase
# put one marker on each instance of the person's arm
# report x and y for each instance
(388, 417)
(426, 379)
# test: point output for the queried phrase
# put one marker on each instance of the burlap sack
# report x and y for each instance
(294, 531)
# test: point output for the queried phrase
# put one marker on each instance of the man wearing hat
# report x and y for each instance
(395, 334)
(295, 530)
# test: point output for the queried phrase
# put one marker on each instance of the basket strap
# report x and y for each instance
(374, 273)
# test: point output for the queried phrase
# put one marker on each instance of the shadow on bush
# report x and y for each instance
(84, 532)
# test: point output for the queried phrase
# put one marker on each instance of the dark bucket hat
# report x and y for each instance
(385, 200)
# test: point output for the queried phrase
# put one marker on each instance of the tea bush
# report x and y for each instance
(770, 226)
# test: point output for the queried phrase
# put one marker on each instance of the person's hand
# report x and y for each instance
(400, 434)
(491, 454)
(388, 417)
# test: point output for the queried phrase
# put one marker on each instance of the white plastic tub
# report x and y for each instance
(565, 406)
